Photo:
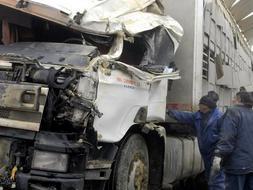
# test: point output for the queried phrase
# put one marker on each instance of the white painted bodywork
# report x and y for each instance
(120, 95)
(122, 92)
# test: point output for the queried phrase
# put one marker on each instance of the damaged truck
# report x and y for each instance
(83, 87)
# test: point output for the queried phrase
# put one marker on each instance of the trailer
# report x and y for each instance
(213, 55)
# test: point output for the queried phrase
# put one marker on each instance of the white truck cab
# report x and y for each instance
(83, 87)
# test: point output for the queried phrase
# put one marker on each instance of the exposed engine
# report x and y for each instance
(65, 113)
(71, 92)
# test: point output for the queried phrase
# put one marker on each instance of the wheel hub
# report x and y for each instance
(136, 179)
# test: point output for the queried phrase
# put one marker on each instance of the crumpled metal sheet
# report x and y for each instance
(159, 52)
(136, 22)
(61, 54)
(102, 16)
(151, 78)
(97, 9)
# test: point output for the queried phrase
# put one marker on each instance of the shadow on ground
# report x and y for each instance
(197, 183)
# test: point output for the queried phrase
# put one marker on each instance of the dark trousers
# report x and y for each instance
(217, 182)
(239, 182)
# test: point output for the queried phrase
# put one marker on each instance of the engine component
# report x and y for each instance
(14, 157)
(5, 148)
(5, 180)
(53, 77)
(70, 100)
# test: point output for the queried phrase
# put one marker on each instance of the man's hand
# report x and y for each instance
(169, 117)
(216, 167)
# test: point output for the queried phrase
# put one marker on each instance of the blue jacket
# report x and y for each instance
(207, 135)
(236, 140)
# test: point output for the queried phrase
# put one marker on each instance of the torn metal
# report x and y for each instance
(107, 16)
(160, 34)
(73, 79)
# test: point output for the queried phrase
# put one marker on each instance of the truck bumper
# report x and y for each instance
(31, 182)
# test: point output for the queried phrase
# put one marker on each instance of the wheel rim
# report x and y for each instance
(137, 174)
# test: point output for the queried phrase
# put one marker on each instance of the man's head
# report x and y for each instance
(243, 97)
(237, 98)
(204, 108)
(212, 94)
(206, 104)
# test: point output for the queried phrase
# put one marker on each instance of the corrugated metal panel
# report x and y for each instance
(227, 79)
(244, 78)
(209, 6)
(231, 47)
(205, 88)
(227, 46)
(228, 29)
(228, 95)
(218, 36)
(225, 26)
(207, 22)
(230, 33)
(212, 73)
(236, 83)
(221, 92)
(213, 11)
(212, 30)
(223, 41)
(219, 17)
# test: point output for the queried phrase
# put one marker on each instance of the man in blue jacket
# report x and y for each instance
(205, 121)
(235, 147)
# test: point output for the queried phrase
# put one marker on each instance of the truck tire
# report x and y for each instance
(132, 168)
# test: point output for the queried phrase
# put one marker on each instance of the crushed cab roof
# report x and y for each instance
(100, 16)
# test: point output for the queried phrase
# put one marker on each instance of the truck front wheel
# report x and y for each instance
(132, 168)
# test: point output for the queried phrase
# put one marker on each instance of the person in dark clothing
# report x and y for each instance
(212, 94)
(234, 151)
(205, 122)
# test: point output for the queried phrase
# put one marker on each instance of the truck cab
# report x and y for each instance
(83, 97)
